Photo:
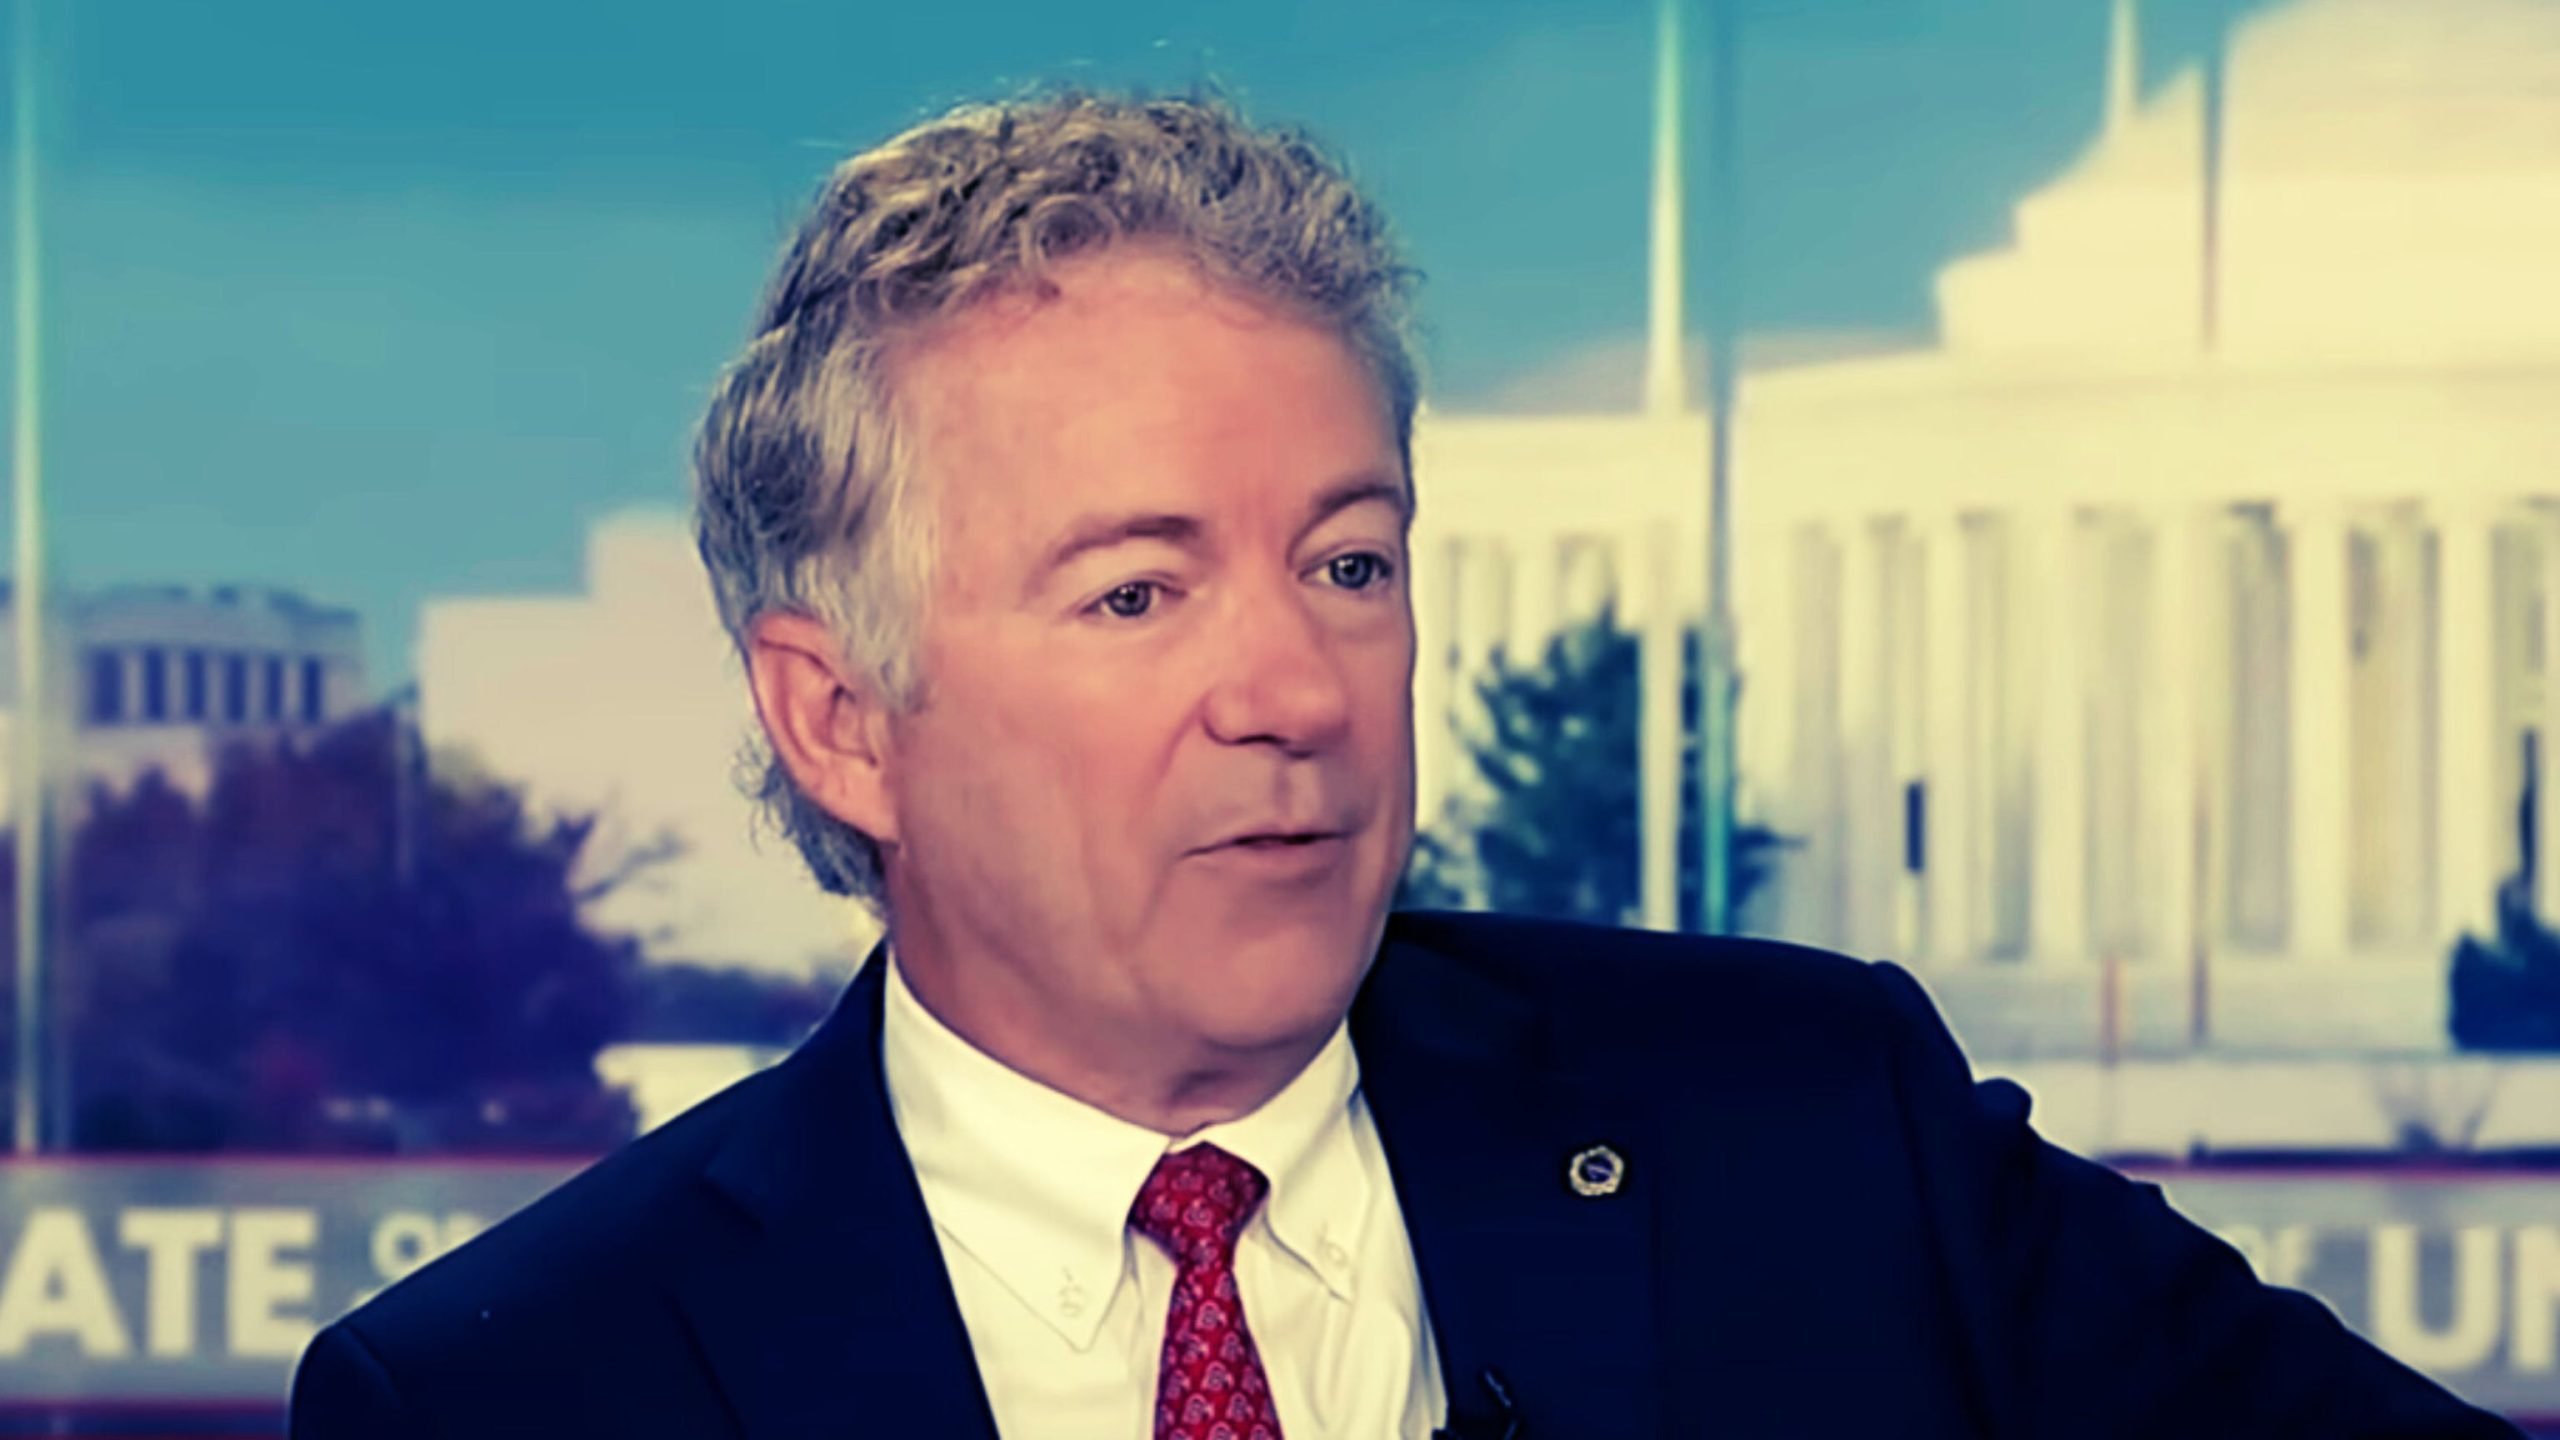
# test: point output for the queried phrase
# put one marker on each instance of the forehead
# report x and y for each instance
(1137, 373)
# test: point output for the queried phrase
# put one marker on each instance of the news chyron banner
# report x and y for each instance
(2456, 1273)
(203, 1281)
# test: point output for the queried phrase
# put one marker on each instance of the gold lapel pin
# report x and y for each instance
(1595, 1172)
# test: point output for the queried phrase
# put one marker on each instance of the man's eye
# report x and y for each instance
(1360, 569)
(1131, 600)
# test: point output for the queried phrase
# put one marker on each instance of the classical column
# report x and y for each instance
(1484, 605)
(2468, 812)
(1766, 648)
(2116, 628)
(1813, 890)
(2252, 740)
(1906, 622)
(1951, 874)
(129, 661)
(1652, 605)
(1482, 583)
(1435, 670)
(2172, 768)
(2057, 567)
(1595, 579)
(2546, 818)
(1870, 812)
(2319, 645)
(2394, 825)
(1537, 575)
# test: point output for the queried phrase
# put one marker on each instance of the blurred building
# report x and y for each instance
(626, 701)
(163, 676)
(2195, 594)
(2155, 658)
(2183, 615)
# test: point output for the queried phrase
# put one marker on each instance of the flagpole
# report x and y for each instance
(1661, 666)
(2217, 64)
(1717, 688)
(1665, 378)
(28, 737)
(2124, 66)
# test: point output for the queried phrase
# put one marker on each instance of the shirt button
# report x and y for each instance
(1071, 1301)
(1335, 1255)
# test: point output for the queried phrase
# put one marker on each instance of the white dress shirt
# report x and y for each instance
(1029, 1190)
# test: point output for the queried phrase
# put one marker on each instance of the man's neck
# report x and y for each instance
(1172, 1085)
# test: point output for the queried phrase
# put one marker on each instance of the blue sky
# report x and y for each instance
(388, 302)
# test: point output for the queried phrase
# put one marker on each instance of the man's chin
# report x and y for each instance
(1322, 922)
(1259, 1046)
(1261, 973)
(1278, 1007)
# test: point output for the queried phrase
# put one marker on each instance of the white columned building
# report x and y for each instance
(2074, 645)
(2104, 636)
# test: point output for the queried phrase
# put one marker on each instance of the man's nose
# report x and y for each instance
(1282, 681)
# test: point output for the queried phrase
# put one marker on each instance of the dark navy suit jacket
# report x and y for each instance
(1825, 1228)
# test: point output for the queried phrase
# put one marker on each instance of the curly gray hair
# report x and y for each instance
(803, 483)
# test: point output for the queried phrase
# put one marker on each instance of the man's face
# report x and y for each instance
(1161, 782)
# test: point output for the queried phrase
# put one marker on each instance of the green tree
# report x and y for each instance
(1557, 828)
(2506, 990)
(333, 950)
(682, 1003)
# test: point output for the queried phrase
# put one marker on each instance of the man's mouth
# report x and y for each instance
(1284, 839)
(1276, 841)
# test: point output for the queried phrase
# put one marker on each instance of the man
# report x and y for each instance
(1059, 510)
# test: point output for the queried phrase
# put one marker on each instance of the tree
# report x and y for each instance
(1557, 831)
(334, 951)
(2506, 991)
(702, 1004)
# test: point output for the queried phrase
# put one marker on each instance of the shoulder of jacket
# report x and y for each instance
(573, 1246)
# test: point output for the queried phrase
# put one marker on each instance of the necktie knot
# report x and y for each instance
(1195, 1204)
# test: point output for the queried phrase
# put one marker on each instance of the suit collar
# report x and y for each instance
(826, 1309)
(825, 1304)
(1481, 1109)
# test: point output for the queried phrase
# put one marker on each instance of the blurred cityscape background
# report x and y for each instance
(2061, 494)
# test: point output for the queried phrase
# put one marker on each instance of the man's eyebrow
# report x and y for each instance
(1101, 532)
(1360, 490)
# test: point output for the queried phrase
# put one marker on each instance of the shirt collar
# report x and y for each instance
(1037, 1184)
(1302, 1141)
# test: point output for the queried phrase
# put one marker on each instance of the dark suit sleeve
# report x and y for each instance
(342, 1391)
(2097, 1311)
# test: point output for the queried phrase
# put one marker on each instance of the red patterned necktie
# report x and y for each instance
(1209, 1384)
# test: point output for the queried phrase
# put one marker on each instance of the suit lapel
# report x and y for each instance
(1479, 1116)
(824, 1309)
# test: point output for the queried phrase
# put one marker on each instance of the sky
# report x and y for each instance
(385, 303)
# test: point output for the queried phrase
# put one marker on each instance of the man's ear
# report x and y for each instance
(828, 726)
